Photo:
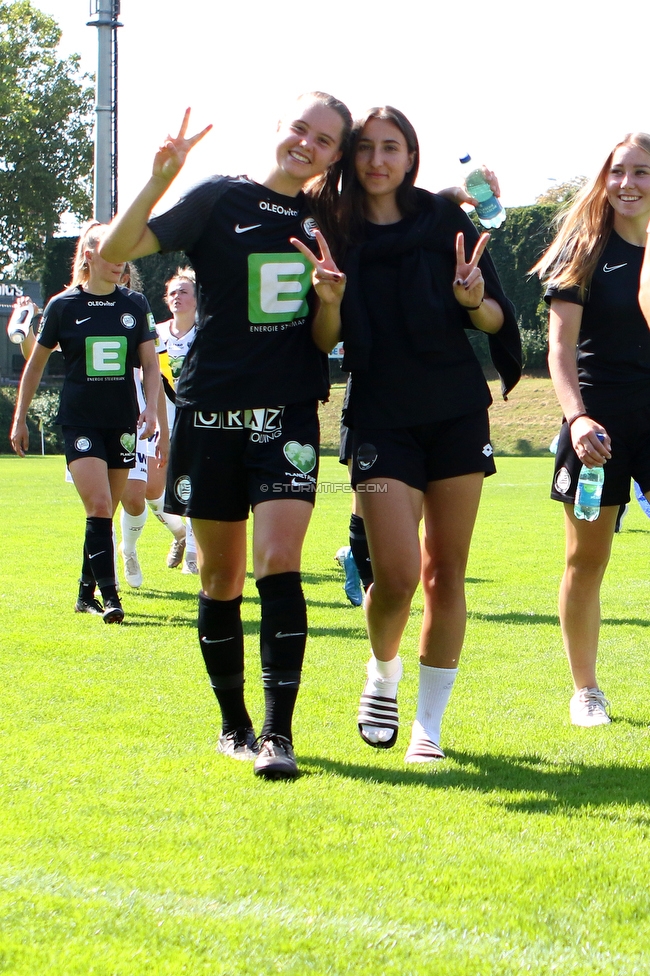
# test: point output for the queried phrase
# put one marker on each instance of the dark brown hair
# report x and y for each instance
(323, 190)
(351, 214)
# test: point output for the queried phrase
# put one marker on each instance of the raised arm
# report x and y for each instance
(469, 288)
(329, 285)
(644, 290)
(563, 331)
(128, 236)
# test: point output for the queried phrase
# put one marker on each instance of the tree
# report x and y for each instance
(46, 150)
(562, 192)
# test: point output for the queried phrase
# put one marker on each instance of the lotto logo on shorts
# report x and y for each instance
(277, 287)
(106, 356)
(366, 456)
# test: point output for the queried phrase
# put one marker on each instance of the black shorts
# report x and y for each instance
(630, 437)
(428, 452)
(115, 445)
(223, 464)
(345, 445)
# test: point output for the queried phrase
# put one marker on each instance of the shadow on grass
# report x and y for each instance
(572, 787)
(549, 618)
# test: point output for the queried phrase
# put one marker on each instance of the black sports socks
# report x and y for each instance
(99, 559)
(360, 552)
(283, 635)
(222, 644)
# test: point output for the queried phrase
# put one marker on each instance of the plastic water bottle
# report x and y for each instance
(19, 323)
(589, 491)
(642, 500)
(489, 209)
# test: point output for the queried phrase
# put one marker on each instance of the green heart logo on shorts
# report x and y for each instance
(128, 443)
(302, 456)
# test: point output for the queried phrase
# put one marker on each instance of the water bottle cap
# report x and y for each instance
(466, 158)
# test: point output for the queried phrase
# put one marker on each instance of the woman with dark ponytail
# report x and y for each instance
(246, 430)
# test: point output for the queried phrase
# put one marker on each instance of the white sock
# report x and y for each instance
(383, 679)
(190, 544)
(131, 526)
(174, 523)
(433, 694)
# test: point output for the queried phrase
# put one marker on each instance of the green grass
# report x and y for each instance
(128, 846)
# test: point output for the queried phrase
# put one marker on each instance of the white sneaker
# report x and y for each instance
(132, 571)
(175, 554)
(589, 707)
(190, 566)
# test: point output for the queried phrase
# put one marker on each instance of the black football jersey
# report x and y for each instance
(99, 337)
(253, 344)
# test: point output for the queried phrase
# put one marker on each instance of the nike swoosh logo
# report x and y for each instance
(280, 634)
(220, 640)
(286, 683)
(79, 321)
(92, 556)
(614, 267)
(242, 230)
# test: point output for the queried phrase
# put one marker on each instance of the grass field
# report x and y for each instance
(130, 847)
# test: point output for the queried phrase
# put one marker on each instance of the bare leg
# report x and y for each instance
(392, 518)
(221, 551)
(279, 531)
(588, 547)
(450, 508)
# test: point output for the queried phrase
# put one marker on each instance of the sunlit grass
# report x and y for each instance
(130, 847)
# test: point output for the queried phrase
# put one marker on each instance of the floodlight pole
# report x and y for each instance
(103, 16)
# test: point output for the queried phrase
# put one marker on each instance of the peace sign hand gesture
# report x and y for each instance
(469, 287)
(328, 281)
(170, 158)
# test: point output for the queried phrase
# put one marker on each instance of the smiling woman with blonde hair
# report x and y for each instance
(599, 359)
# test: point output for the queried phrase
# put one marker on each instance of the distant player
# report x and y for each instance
(103, 331)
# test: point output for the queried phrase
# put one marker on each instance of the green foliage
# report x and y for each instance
(56, 272)
(43, 408)
(46, 150)
(562, 192)
(155, 271)
(515, 247)
(128, 847)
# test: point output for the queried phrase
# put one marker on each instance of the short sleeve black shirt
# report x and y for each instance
(253, 343)
(99, 337)
(613, 352)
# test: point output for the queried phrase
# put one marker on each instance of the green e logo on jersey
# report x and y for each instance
(106, 355)
(277, 286)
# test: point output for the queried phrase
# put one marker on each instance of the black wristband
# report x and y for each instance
(473, 308)
(574, 416)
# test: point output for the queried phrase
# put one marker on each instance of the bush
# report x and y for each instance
(43, 409)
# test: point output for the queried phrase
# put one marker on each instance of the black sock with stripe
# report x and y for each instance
(99, 546)
(360, 551)
(221, 638)
(283, 635)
